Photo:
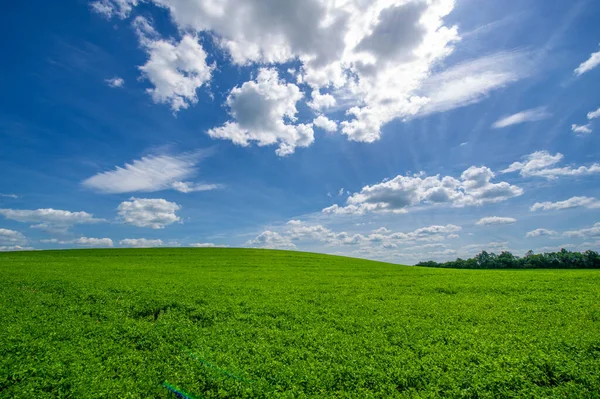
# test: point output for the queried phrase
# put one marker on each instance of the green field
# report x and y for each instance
(235, 323)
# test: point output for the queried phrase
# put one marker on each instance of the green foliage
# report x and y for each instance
(553, 260)
(120, 323)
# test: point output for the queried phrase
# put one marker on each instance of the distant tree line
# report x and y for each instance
(552, 260)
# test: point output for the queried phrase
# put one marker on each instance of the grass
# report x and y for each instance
(235, 323)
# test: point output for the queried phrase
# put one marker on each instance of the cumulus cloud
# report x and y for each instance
(271, 239)
(574, 202)
(378, 58)
(404, 192)
(11, 237)
(115, 82)
(140, 243)
(541, 233)
(175, 69)
(540, 164)
(50, 219)
(14, 248)
(260, 109)
(326, 124)
(294, 234)
(150, 174)
(594, 114)
(152, 213)
(82, 241)
(320, 101)
(581, 129)
(494, 220)
(530, 115)
(588, 65)
(206, 245)
(591, 232)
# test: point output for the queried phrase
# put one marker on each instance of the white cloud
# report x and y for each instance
(140, 243)
(588, 65)
(187, 187)
(591, 232)
(94, 242)
(326, 124)
(110, 8)
(83, 241)
(541, 233)
(530, 115)
(382, 238)
(581, 129)
(150, 174)
(574, 202)
(13, 196)
(14, 248)
(473, 81)
(153, 213)
(321, 101)
(494, 220)
(270, 239)
(50, 219)
(115, 82)
(11, 237)
(404, 192)
(176, 70)
(594, 114)
(539, 164)
(261, 109)
(206, 245)
(379, 59)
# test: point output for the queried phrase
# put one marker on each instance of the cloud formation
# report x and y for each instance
(115, 82)
(594, 114)
(588, 65)
(150, 174)
(11, 237)
(542, 164)
(152, 213)
(380, 56)
(82, 241)
(581, 129)
(540, 233)
(140, 243)
(495, 220)
(530, 115)
(261, 110)
(175, 69)
(297, 233)
(50, 219)
(474, 187)
(574, 202)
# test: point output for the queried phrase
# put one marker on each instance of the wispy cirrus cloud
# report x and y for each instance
(150, 174)
(530, 115)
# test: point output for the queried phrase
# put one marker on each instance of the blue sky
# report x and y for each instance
(401, 130)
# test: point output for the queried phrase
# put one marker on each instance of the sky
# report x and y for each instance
(395, 130)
